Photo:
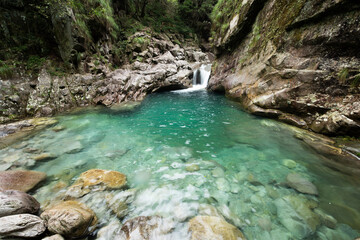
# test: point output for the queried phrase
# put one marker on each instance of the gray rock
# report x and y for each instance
(301, 184)
(109, 231)
(326, 219)
(54, 237)
(15, 202)
(223, 185)
(21, 225)
(291, 220)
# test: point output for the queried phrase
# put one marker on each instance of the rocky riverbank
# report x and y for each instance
(296, 62)
(157, 63)
(73, 213)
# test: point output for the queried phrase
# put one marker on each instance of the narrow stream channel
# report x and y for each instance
(188, 153)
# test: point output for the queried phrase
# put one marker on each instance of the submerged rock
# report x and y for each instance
(44, 157)
(15, 202)
(21, 180)
(326, 219)
(192, 167)
(213, 228)
(70, 218)
(144, 228)
(96, 180)
(289, 163)
(21, 225)
(301, 184)
(295, 213)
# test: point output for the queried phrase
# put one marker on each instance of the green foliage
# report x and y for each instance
(197, 14)
(34, 63)
(162, 16)
(6, 71)
(356, 80)
(343, 75)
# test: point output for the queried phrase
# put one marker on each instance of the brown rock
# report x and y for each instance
(21, 180)
(44, 157)
(15, 202)
(96, 180)
(70, 218)
(213, 228)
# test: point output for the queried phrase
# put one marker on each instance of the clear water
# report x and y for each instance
(240, 157)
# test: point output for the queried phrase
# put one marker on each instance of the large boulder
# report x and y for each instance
(70, 218)
(301, 184)
(21, 225)
(21, 180)
(213, 228)
(96, 180)
(15, 202)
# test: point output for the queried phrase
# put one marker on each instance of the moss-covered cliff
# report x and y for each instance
(297, 61)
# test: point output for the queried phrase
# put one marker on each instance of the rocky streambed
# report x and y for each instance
(182, 165)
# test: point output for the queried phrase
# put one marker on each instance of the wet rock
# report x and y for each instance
(143, 228)
(223, 185)
(295, 213)
(110, 231)
(210, 228)
(70, 218)
(21, 180)
(5, 166)
(58, 128)
(21, 225)
(15, 202)
(72, 147)
(289, 163)
(119, 203)
(208, 210)
(253, 180)
(218, 172)
(265, 223)
(54, 237)
(192, 167)
(11, 159)
(326, 219)
(44, 157)
(96, 180)
(301, 184)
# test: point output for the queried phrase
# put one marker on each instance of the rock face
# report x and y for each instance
(294, 61)
(21, 180)
(21, 225)
(96, 180)
(70, 218)
(213, 228)
(301, 184)
(155, 63)
(15, 202)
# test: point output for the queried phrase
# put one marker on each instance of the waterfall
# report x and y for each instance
(201, 76)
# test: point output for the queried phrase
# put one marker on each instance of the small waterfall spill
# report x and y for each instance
(201, 76)
(200, 79)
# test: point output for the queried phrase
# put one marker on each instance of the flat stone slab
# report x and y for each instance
(22, 180)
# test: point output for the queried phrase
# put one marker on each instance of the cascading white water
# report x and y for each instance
(200, 78)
